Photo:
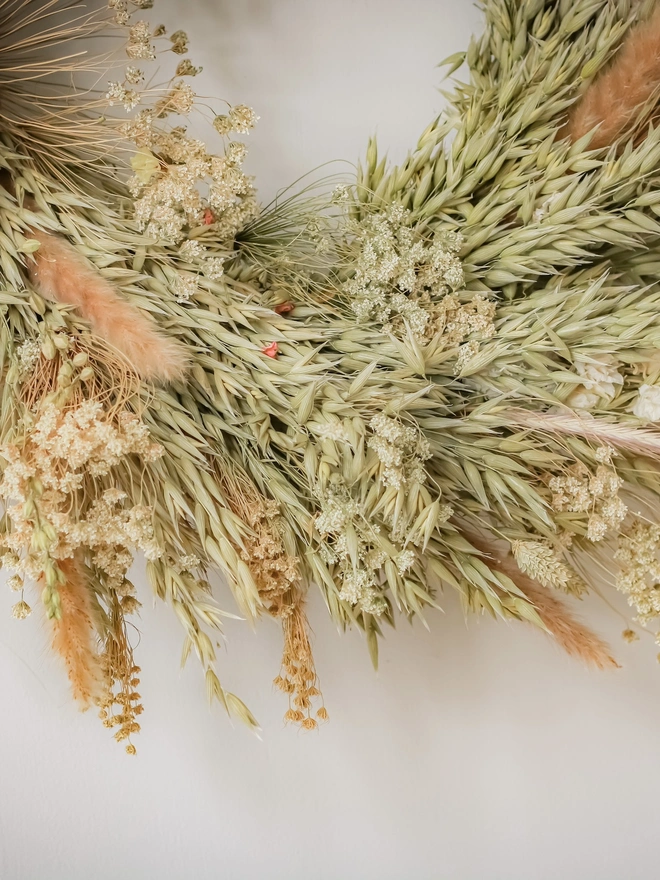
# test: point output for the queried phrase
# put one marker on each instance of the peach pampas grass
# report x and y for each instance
(61, 274)
(613, 99)
(74, 635)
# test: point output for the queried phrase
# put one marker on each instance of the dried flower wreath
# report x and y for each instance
(443, 374)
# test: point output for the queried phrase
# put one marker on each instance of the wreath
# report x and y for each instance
(439, 376)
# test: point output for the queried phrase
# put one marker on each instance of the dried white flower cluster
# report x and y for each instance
(601, 382)
(240, 120)
(580, 491)
(177, 184)
(647, 404)
(542, 563)
(398, 274)
(169, 169)
(639, 574)
(42, 488)
(352, 548)
(28, 355)
(401, 450)
(122, 8)
(139, 44)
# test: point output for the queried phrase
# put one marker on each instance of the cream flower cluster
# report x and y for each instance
(639, 569)
(580, 491)
(351, 547)
(401, 450)
(398, 272)
(42, 486)
(177, 184)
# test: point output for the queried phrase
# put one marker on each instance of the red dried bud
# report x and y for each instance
(270, 350)
(284, 308)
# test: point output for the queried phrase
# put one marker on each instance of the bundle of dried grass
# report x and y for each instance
(468, 344)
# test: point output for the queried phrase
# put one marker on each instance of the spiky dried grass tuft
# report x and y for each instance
(639, 441)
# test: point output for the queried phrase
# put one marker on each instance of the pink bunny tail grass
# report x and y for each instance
(61, 274)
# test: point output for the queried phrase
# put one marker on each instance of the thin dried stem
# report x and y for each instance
(640, 441)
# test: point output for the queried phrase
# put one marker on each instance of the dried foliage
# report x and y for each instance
(351, 388)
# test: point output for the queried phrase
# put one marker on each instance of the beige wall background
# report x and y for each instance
(478, 752)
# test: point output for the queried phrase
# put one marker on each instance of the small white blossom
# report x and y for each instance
(185, 288)
(647, 404)
(601, 380)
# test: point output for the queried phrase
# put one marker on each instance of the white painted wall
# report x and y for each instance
(478, 752)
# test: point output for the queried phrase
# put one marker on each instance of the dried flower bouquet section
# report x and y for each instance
(438, 375)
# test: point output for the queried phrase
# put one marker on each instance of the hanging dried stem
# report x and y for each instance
(612, 102)
(574, 637)
(298, 677)
(120, 703)
(277, 577)
(61, 274)
(75, 635)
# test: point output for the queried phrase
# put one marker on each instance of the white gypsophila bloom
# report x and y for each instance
(185, 288)
(133, 75)
(214, 268)
(647, 404)
(601, 381)
(191, 250)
